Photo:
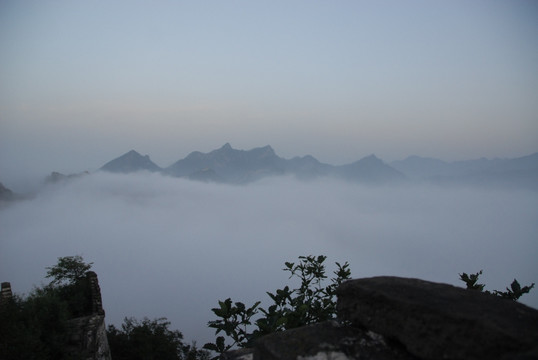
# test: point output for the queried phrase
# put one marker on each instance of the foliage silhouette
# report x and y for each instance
(150, 339)
(313, 301)
(68, 270)
(514, 293)
(36, 327)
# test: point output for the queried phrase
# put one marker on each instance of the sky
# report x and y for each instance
(83, 82)
(167, 247)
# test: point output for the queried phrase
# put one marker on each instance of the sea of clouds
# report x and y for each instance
(170, 247)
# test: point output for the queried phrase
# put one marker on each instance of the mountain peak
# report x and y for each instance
(370, 169)
(268, 148)
(131, 161)
(370, 159)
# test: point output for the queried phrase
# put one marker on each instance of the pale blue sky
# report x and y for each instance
(82, 82)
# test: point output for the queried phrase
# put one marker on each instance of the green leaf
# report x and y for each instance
(220, 344)
(516, 288)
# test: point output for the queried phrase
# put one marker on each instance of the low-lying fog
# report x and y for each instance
(169, 247)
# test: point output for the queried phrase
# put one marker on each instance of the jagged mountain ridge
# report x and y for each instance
(229, 165)
(232, 165)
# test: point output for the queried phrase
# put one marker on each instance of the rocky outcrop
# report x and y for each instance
(327, 340)
(439, 321)
(399, 318)
(88, 333)
(88, 339)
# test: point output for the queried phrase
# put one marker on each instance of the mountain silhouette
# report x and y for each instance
(229, 165)
(131, 162)
(233, 166)
(370, 169)
(517, 172)
(5, 193)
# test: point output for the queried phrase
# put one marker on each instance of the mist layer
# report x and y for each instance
(170, 247)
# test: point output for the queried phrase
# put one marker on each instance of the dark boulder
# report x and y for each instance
(326, 340)
(439, 321)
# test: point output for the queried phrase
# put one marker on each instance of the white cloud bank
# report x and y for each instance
(170, 247)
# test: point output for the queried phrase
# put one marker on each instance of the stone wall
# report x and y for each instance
(88, 333)
(88, 338)
(5, 294)
(388, 318)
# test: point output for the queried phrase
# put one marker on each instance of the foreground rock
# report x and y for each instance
(327, 340)
(439, 321)
(389, 318)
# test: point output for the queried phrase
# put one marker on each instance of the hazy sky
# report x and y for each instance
(82, 82)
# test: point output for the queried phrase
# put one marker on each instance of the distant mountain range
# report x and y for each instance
(228, 165)
(518, 172)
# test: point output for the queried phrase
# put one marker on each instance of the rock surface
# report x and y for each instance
(88, 338)
(327, 340)
(439, 321)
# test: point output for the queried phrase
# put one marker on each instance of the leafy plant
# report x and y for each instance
(68, 270)
(472, 281)
(514, 293)
(234, 319)
(311, 302)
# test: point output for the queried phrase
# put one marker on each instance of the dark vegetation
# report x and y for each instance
(313, 301)
(36, 326)
(150, 339)
(514, 293)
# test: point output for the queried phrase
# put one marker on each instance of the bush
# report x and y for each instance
(312, 302)
(150, 339)
(36, 327)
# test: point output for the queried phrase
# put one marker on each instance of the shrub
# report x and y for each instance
(313, 301)
(150, 339)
